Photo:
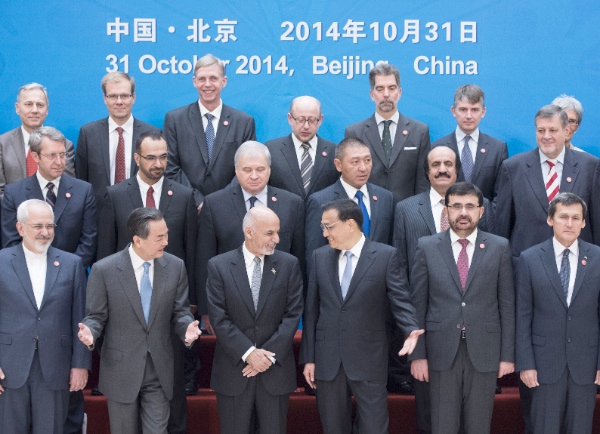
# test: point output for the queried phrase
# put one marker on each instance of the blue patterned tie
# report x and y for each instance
(347, 276)
(565, 272)
(466, 159)
(210, 135)
(146, 291)
(366, 220)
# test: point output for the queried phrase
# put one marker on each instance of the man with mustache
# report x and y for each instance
(462, 290)
(398, 144)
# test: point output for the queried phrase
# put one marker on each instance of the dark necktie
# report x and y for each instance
(466, 159)
(146, 291)
(366, 220)
(347, 276)
(463, 263)
(30, 163)
(565, 272)
(120, 158)
(210, 134)
(256, 279)
(386, 140)
(444, 222)
(150, 198)
(306, 166)
(552, 186)
(252, 200)
(50, 196)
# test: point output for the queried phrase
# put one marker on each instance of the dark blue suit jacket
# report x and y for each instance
(74, 215)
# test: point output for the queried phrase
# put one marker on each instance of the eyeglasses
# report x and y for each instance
(573, 122)
(39, 226)
(328, 227)
(153, 158)
(459, 206)
(302, 120)
(124, 96)
(61, 155)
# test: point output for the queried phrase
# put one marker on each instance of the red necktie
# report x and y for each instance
(120, 158)
(552, 186)
(444, 222)
(463, 263)
(30, 164)
(150, 199)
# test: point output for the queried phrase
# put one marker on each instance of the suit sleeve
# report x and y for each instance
(298, 240)
(506, 306)
(174, 170)
(107, 228)
(86, 248)
(81, 157)
(70, 164)
(312, 230)
(525, 358)
(311, 316)
(81, 357)
(96, 302)
(10, 235)
(182, 316)
(249, 131)
(399, 239)
(422, 182)
(190, 240)
(487, 222)
(419, 292)
(206, 248)
(503, 203)
(399, 296)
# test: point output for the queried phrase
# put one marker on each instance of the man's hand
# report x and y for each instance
(259, 360)
(411, 342)
(78, 379)
(595, 382)
(85, 335)
(505, 368)
(206, 324)
(420, 369)
(248, 371)
(1, 378)
(193, 332)
(529, 377)
(309, 375)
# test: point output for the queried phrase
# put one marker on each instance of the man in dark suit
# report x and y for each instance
(353, 160)
(72, 199)
(137, 296)
(302, 163)
(43, 296)
(255, 303)
(462, 289)
(558, 322)
(105, 148)
(483, 155)
(223, 212)
(16, 161)
(354, 284)
(204, 135)
(150, 188)
(398, 144)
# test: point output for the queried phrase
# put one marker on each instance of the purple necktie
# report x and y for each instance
(463, 263)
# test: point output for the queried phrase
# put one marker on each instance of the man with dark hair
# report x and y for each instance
(354, 284)
(481, 155)
(398, 144)
(464, 297)
(558, 300)
(137, 296)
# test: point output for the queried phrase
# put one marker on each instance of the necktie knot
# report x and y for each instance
(120, 131)
(467, 138)
(359, 195)
(387, 123)
(50, 186)
(550, 163)
(306, 146)
(253, 200)
(443, 201)
(348, 254)
(464, 243)
(150, 203)
(209, 116)
(257, 260)
(566, 253)
(146, 267)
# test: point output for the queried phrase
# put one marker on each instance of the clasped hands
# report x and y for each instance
(257, 361)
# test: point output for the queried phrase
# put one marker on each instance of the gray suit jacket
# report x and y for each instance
(521, 203)
(114, 305)
(352, 330)
(13, 166)
(53, 326)
(552, 336)
(285, 170)
(188, 154)
(239, 326)
(92, 162)
(486, 308)
(404, 175)
(490, 154)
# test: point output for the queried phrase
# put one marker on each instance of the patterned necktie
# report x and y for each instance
(306, 166)
(565, 272)
(30, 164)
(252, 200)
(256, 278)
(366, 220)
(552, 186)
(386, 140)
(120, 158)
(463, 263)
(50, 196)
(146, 291)
(466, 159)
(210, 134)
(444, 222)
(347, 276)
(150, 198)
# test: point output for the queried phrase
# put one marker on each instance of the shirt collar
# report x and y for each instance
(33, 255)
(454, 237)
(559, 248)
(249, 256)
(127, 126)
(351, 191)
(156, 186)
(136, 261)
(216, 112)
(560, 159)
(357, 247)
(313, 142)
(43, 181)
(434, 197)
(395, 117)
(261, 196)
(460, 135)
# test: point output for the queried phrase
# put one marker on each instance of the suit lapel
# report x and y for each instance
(333, 271)
(63, 196)
(224, 127)
(33, 189)
(237, 197)
(136, 133)
(18, 145)
(549, 262)
(478, 254)
(445, 247)
(20, 266)
(289, 154)
(426, 212)
(133, 190)
(165, 197)
(269, 275)
(372, 134)
(533, 172)
(367, 256)
(570, 172)
(129, 284)
(52, 270)
(400, 139)
(159, 285)
(584, 250)
(104, 142)
(374, 209)
(240, 277)
(480, 156)
(195, 120)
(272, 201)
(320, 158)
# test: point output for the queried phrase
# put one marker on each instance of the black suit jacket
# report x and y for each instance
(74, 215)
(404, 175)
(178, 207)
(490, 154)
(188, 154)
(92, 162)
(238, 326)
(220, 228)
(521, 203)
(285, 170)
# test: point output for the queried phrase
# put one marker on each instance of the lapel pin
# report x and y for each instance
(405, 132)
(375, 198)
(569, 179)
(274, 199)
(68, 195)
(324, 154)
(56, 263)
(482, 150)
(225, 123)
(170, 192)
(584, 262)
(273, 271)
(482, 246)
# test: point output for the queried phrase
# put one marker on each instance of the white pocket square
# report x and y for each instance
(410, 148)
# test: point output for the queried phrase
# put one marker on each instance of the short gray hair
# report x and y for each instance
(251, 148)
(469, 92)
(568, 102)
(550, 111)
(209, 60)
(31, 86)
(117, 77)
(383, 69)
(23, 209)
(35, 139)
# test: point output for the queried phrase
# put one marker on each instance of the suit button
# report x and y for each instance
(256, 328)
(39, 319)
(568, 339)
(569, 317)
(463, 304)
(457, 326)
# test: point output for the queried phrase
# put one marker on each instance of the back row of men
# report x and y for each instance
(387, 165)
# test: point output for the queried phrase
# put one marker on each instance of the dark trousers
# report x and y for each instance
(74, 422)
(178, 415)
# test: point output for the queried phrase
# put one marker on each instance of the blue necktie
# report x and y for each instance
(146, 291)
(347, 276)
(366, 220)
(210, 135)
(565, 272)
(466, 159)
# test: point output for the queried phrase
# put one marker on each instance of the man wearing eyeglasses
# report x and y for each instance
(105, 148)
(149, 188)
(462, 289)
(302, 162)
(574, 111)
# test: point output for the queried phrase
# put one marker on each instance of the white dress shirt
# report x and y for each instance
(216, 113)
(573, 256)
(37, 265)
(457, 247)
(343, 259)
(393, 126)
(460, 141)
(44, 184)
(436, 208)
(312, 151)
(262, 198)
(145, 187)
(559, 164)
(138, 267)
(113, 142)
(351, 192)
